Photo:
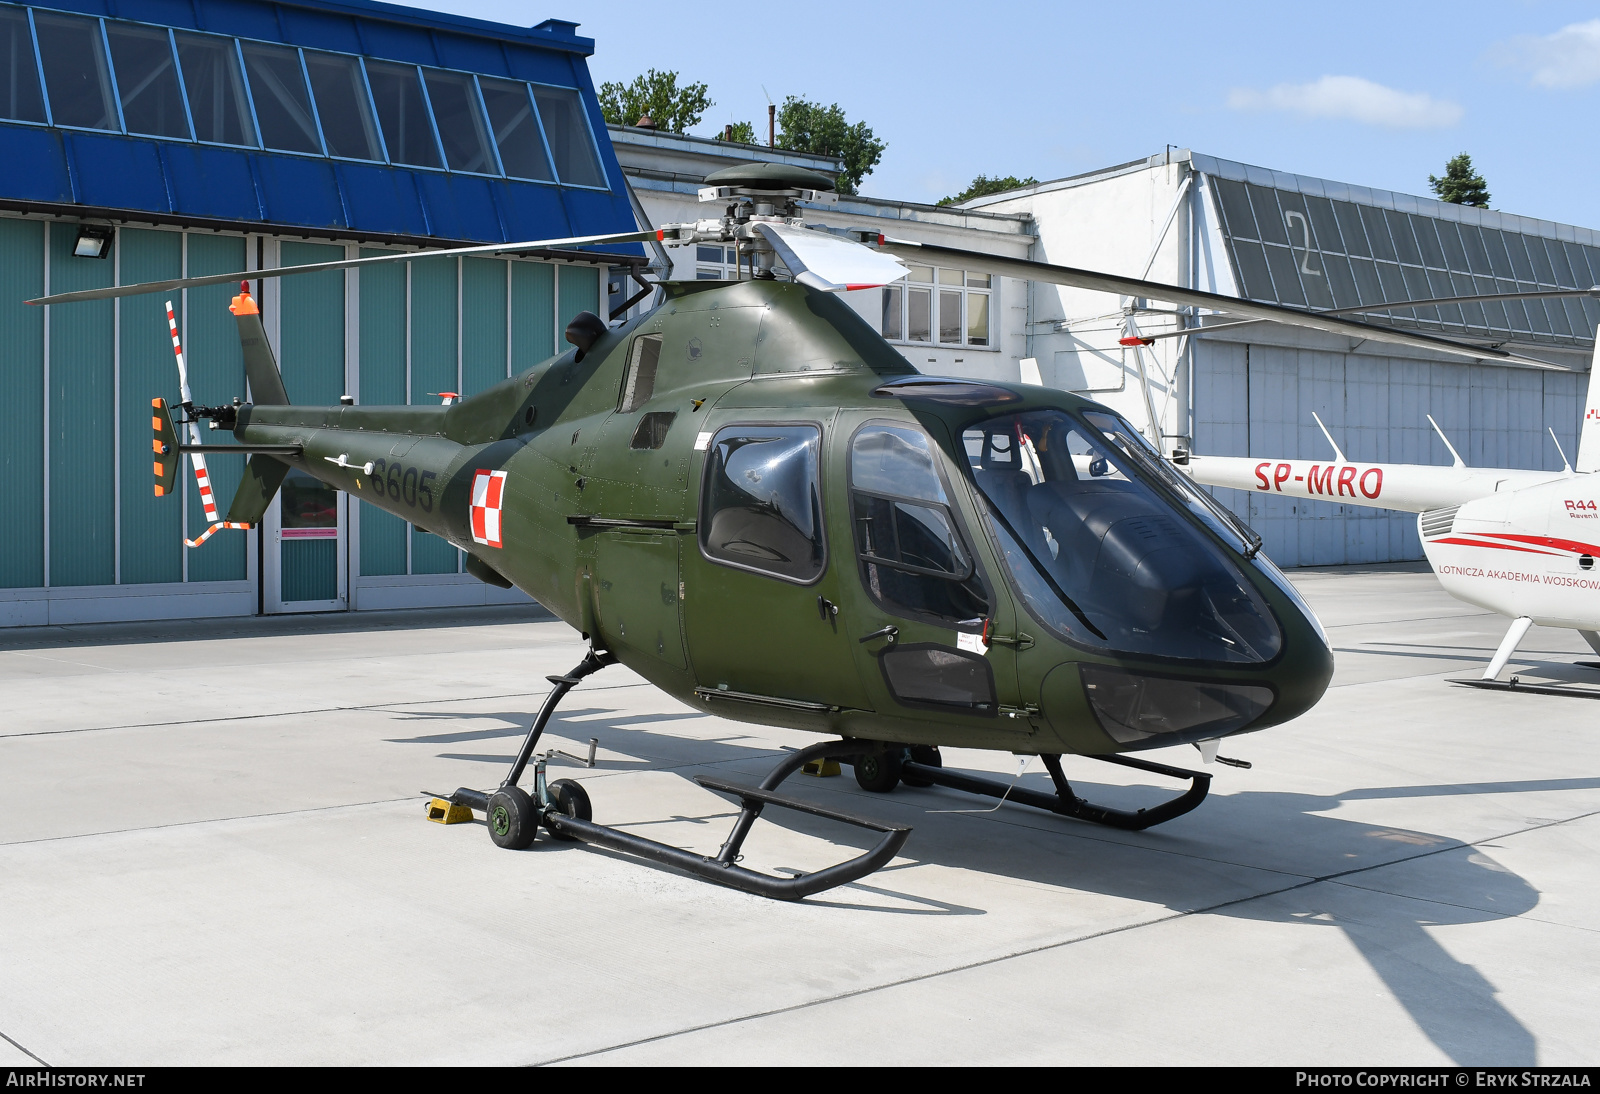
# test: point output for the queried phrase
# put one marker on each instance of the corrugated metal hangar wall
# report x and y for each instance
(1257, 400)
(229, 135)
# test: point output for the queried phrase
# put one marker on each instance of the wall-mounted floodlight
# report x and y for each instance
(94, 241)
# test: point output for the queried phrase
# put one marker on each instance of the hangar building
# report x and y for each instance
(145, 139)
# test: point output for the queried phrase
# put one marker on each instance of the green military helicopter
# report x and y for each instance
(752, 500)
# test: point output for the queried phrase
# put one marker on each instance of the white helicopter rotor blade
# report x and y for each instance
(828, 262)
(353, 263)
(1248, 309)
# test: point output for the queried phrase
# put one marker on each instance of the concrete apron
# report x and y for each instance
(214, 852)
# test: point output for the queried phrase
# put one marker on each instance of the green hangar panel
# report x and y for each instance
(144, 140)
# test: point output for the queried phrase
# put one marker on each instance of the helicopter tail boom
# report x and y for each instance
(1587, 457)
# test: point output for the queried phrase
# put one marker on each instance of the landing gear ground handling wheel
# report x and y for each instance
(570, 799)
(927, 756)
(513, 818)
(879, 772)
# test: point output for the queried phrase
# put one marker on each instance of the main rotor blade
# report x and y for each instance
(1546, 294)
(1131, 286)
(828, 262)
(345, 264)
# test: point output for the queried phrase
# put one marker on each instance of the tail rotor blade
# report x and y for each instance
(183, 371)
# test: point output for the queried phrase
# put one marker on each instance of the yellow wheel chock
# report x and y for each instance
(444, 811)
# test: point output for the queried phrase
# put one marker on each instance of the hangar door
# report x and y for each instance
(306, 556)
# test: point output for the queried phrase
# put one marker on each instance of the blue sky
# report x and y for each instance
(1379, 94)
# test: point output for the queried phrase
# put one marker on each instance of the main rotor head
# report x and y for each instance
(756, 193)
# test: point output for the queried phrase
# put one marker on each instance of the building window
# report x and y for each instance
(217, 100)
(397, 89)
(1310, 250)
(516, 130)
(716, 263)
(343, 107)
(75, 72)
(20, 99)
(949, 307)
(454, 96)
(124, 77)
(282, 100)
(147, 80)
(566, 131)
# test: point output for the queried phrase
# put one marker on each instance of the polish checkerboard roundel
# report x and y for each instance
(488, 490)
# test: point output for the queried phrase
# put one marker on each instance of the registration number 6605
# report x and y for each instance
(409, 485)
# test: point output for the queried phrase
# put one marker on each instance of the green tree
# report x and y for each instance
(739, 132)
(1461, 185)
(983, 185)
(811, 127)
(658, 95)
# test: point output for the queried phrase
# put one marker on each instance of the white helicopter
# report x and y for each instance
(1520, 543)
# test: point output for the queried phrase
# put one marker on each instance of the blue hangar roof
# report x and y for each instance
(342, 116)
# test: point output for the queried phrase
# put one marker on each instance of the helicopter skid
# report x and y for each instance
(722, 868)
(1067, 804)
(1516, 684)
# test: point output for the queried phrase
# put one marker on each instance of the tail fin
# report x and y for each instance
(1588, 457)
(260, 367)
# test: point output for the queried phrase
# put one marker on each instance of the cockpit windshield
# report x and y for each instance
(1103, 555)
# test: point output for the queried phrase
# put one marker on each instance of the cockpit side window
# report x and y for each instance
(761, 506)
(911, 554)
(1102, 556)
(640, 382)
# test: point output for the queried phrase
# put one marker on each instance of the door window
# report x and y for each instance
(940, 677)
(911, 555)
(761, 508)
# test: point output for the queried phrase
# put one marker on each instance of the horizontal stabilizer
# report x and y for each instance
(262, 477)
(165, 446)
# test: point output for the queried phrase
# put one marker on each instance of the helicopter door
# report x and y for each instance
(760, 590)
(923, 602)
